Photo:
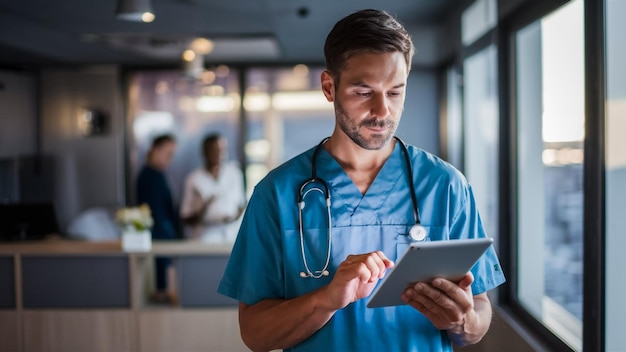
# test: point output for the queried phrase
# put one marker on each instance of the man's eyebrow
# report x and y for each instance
(362, 84)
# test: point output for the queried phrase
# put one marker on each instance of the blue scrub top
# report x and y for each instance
(266, 259)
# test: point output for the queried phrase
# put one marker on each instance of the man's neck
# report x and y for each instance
(154, 165)
(213, 169)
(360, 164)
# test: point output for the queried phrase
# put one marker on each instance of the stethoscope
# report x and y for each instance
(417, 232)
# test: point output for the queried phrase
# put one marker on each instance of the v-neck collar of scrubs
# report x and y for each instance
(347, 197)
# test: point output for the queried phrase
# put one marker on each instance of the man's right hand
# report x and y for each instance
(356, 278)
(200, 206)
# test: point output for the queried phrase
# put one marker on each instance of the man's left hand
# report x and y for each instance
(445, 303)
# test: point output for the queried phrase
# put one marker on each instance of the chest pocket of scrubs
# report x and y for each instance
(403, 239)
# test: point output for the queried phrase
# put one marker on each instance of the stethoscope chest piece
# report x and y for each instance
(417, 232)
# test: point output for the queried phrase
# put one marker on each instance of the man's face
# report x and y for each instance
(163, 155)
(215, 151)
(369, 98)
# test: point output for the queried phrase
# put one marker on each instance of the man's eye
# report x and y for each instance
(363, 94)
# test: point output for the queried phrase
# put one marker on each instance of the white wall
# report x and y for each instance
(89, 170)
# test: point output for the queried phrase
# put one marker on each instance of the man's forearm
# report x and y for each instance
(197, 215)
(277, 324)
(476, 324)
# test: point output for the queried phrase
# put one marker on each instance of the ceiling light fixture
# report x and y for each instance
(193, 64)
(134, 10)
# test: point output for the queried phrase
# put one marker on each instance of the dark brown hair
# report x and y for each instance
(210, 138)
(162, 139)
(365, 31)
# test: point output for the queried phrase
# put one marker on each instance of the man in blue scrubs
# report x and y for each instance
(303, 286)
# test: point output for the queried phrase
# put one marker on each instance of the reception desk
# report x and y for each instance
(60, 295)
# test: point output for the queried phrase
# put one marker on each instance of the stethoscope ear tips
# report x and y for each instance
(325, 273)
(303, 274)
(301, 207)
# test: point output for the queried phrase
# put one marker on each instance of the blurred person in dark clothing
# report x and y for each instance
(153, 189)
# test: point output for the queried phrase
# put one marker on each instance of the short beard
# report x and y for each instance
(377, 142)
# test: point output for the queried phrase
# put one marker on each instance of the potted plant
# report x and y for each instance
(135, 223)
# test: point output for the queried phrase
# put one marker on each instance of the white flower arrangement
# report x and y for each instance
(137, 218)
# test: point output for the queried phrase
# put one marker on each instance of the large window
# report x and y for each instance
(550, 136)
(615, 173)
(480, 132)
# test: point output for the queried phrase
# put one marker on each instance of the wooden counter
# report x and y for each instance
(64, 295)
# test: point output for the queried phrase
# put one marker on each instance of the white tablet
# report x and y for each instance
(424, 261)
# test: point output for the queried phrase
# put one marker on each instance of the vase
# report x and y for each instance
(134, 240)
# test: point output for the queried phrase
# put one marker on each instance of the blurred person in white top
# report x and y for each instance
(214, 198)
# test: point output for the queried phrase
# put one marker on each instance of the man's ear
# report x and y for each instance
(328, 86)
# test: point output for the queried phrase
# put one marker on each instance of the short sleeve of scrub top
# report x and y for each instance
(255, 271)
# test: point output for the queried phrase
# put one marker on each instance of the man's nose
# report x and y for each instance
(380, 106)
